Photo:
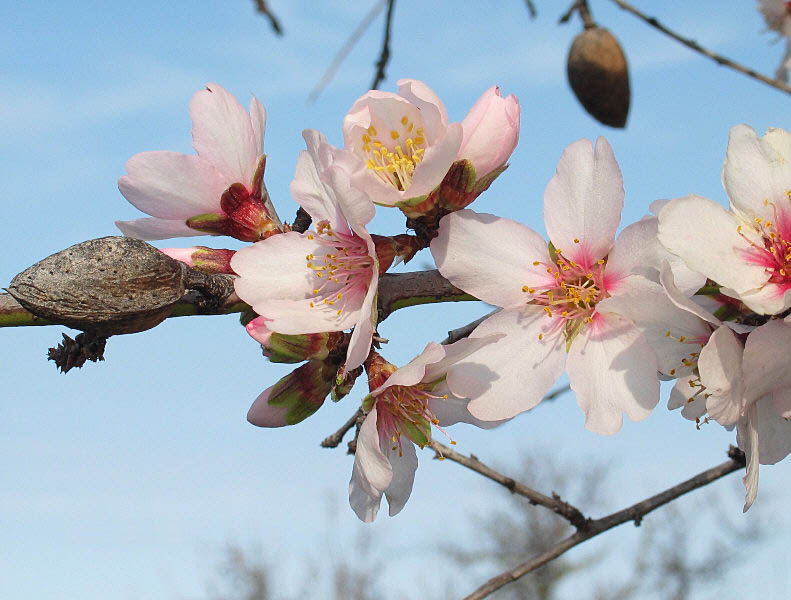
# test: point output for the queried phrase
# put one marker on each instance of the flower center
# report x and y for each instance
(572, 301)
(343, 271)
(690, 361)
(394, 160)
(773, 249)
(404, 410)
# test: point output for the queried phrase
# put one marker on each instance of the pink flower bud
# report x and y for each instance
(295, 397)
(202, 258)
(491, 131)
(282, 348)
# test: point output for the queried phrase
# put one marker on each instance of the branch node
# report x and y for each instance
(75, 352)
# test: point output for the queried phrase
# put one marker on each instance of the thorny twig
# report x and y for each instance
(689, 43)
(262, 7)
(594, 527)
(384, 55)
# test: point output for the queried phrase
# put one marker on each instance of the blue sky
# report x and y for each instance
(125, 479)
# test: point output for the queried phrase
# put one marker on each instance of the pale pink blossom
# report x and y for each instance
(403, 142)
(746, 250)
(174, 188)
(748, 384)
(491, 131)
(777, 14)
(573, 304)
(401, 413)
(324, 279)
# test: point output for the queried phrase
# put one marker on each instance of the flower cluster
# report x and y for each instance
(692, 292)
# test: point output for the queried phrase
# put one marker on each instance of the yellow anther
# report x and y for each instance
(366, 138)
(312, 305)
(404, 120)
(672, 371)
(310, 236)
(540, 336)
(600, 261)
(525, 288)
(394, 134)
(536, 263)
(667, 333)
(576, 240)
(682, 339)
(372, 131)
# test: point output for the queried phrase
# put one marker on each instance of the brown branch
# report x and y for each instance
(262, 7)
(344, 51)
(635, 513)
(531, 9)
(692, 44)
(334, 440)
(580, 6)
(301, 221)
(384, 55)
(572, 514)
(399, 290)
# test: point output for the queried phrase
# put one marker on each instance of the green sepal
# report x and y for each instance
(419, 432)
(572, 330)
(302, 392)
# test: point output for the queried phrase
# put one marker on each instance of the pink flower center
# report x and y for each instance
(395, 159)
(571, 302)
(343, 272)
(403, 410)
(773, 250)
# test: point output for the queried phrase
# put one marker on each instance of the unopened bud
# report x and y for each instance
(295, 397)
(204, 259)
(283, 348)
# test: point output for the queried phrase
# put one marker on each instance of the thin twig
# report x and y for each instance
(344, 51)
(454, 335)
(531, 9)
(580, 6)
(572, 514)
(635, 513)
(334, 440)
(384, 55)
(263, 8)
(719, 59)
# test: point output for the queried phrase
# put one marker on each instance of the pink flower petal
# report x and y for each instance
(612, 369)
(491, 131)
(432, 110)
(748, 440)
(436, 163)
(766, 367)
(170, 185)
(155, 229)
(364, 325)
(258, 121)
(583, 201)
(223, 134)
(262, 414)
(491, 257)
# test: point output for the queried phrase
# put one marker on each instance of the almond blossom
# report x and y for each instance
(777, 14)
(566, 304)
(748, 384)
(402, 407)
(403, 142)
(746, 250)
(324, 279)
(219, 191)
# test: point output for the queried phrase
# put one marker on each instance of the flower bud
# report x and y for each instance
(202, 258)
(282, 348)
(491, 131)
(245, 217)
(339, 390)
(295, 397)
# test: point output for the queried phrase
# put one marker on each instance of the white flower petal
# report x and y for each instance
(720, 367)
(513, 374)
(748, 441)
(491, 257)
(612, 370)
(758, 170)
(583, 201)
(403, 467)
(371, 474)
(766, 363)
(705, 235)
(154, 228)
